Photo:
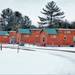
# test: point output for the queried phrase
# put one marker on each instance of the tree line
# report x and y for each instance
(53, 18)
(12, 20)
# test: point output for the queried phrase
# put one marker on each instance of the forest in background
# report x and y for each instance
(53, 18)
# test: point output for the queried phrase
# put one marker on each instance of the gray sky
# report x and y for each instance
(32, 8)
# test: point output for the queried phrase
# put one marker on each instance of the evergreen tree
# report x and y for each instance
(13, 20)
(26, 22)
(16, 20)
(52, 12)
(6, 16)
(72, 25)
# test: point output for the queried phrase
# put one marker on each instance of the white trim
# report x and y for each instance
(43, 38)
(37, 36)
(6, 34)
(35, 29)
(67, 32)
(64, 29)
(26, 35)
(12, 31)
(53, 36)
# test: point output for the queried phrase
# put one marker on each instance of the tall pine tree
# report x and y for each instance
(52, 12)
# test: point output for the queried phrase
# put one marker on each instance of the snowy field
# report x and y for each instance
(27, 46)
(37, 61)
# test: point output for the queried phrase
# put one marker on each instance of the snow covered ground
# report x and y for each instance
(37, 61)
(28, 46)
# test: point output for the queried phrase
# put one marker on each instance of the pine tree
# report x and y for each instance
(26, 22)
(14, 20)
(52, 12)
(6, 16)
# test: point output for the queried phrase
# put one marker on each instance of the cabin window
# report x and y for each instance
(53, 36)
(36, 36)
(4, 36)
(26, 35)
(43, 38)
(74, 39)
(67, 32)
(65, 37)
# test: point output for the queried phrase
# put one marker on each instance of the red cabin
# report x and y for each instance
(46, 36)
(66, 36)
(23, 35)
(28, 35)
(35, 36)
(50, 36)
(4, 37)
(12, 35)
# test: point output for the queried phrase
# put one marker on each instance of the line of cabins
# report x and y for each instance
(42, 37)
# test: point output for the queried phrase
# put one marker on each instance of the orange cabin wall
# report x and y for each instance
(31, 38)
(48, 39)
(3, 39)
(43, 33)
(59, 40)
(33, 35)
(53, 41)
(18, 36)
(69, 39)
(25, 38)
(22, 37)
(7, 39)
(12, 33)
(28, 38)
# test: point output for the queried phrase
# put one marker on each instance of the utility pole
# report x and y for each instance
(19, 39)
(52, 44)
(1, 22)
(1, 46)
(18, 49)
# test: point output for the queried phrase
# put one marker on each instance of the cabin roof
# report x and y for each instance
(50, 30)
(3, 32)
(24, 31)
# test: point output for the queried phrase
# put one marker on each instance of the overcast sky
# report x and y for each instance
(32, 8)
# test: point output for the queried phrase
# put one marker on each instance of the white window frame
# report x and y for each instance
(67, 32)
(36, 36)
(53, 36)
(4, 36)
(26, 35)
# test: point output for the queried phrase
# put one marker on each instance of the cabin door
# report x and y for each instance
(73, 38)
(43, 40)
(12, 40)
